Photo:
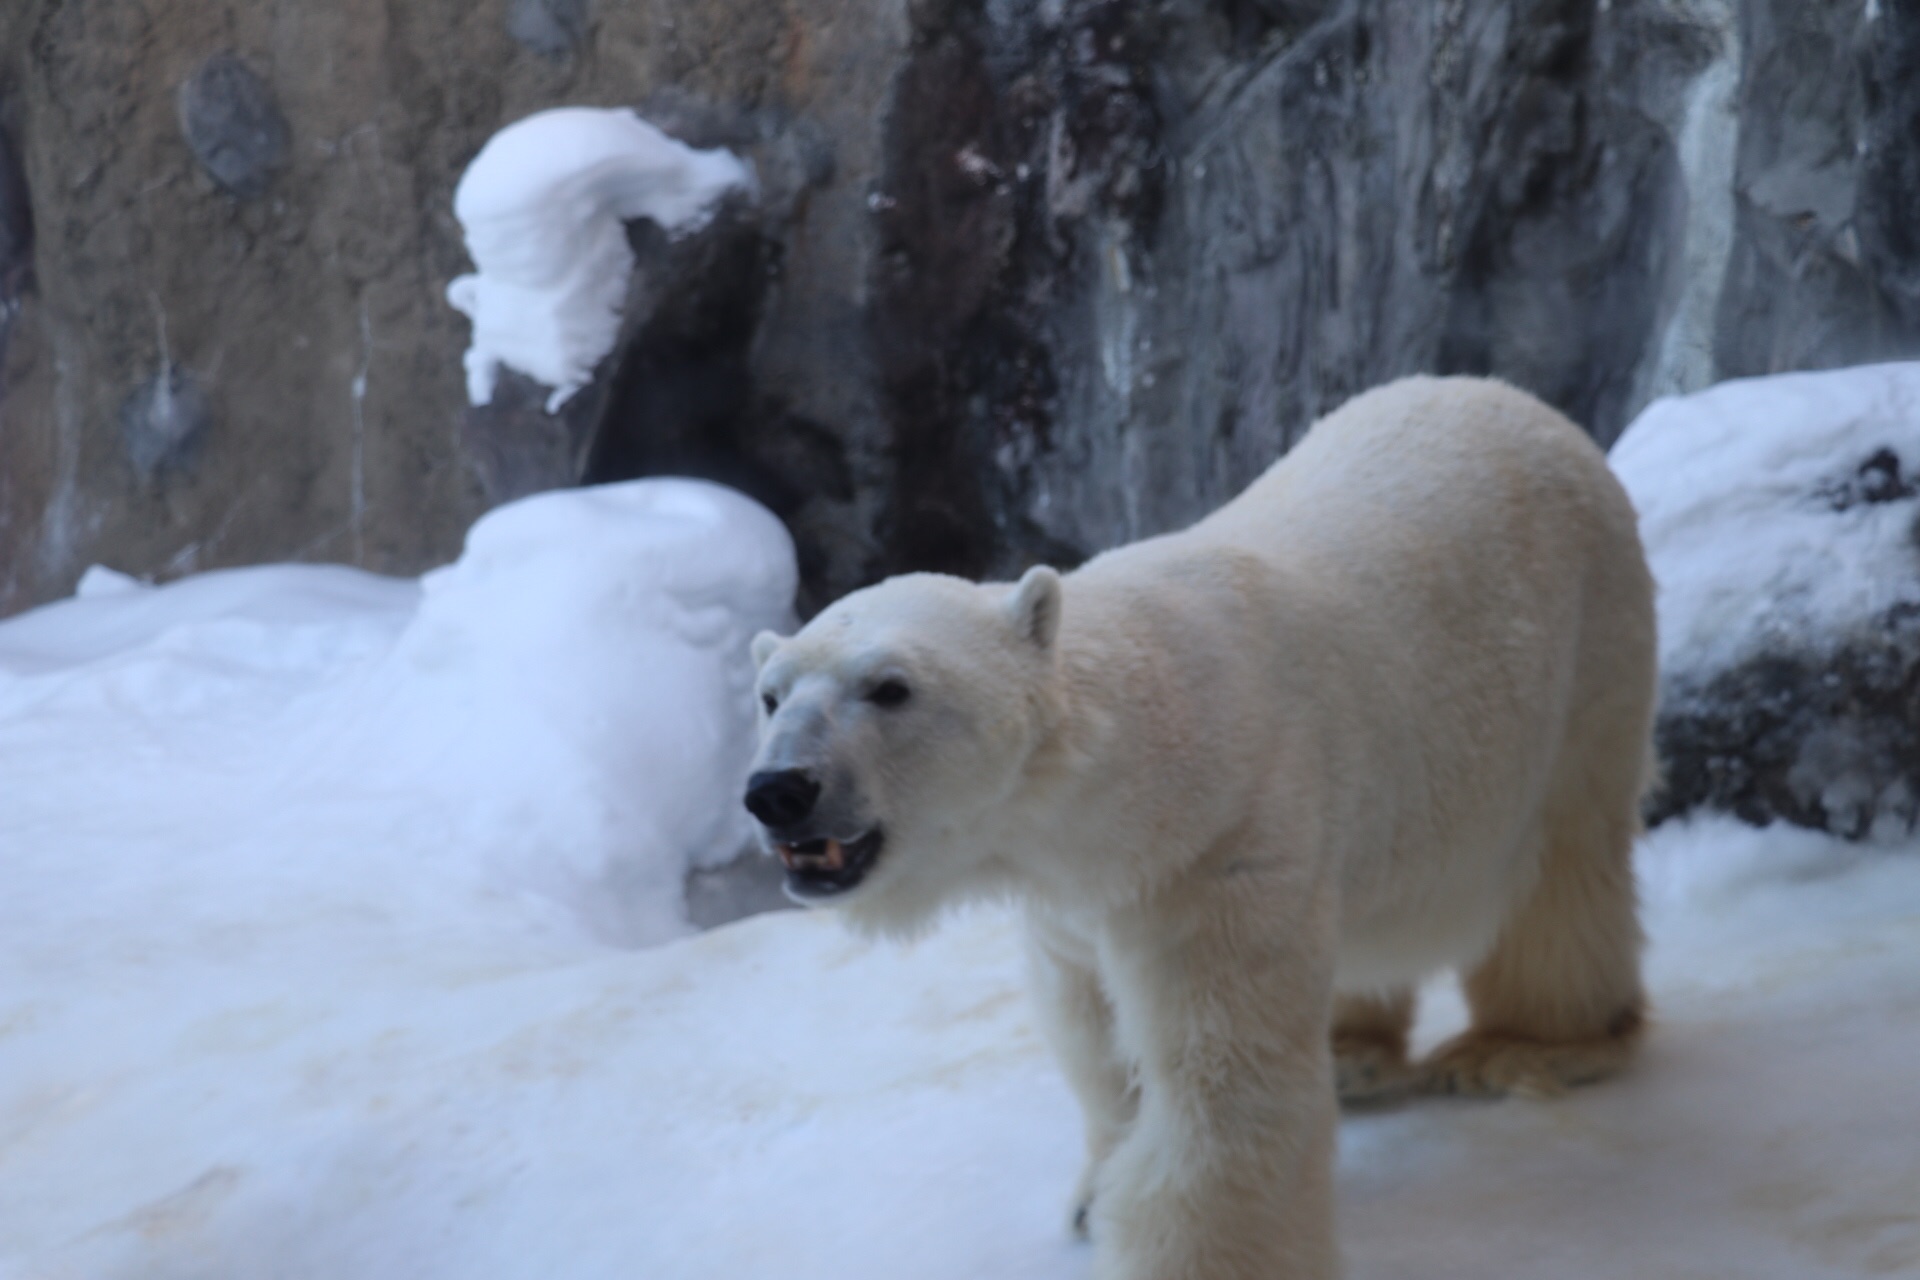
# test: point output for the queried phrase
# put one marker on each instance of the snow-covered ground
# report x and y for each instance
(387, 1096)
(323, 910)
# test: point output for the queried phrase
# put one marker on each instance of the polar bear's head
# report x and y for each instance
(894, 730)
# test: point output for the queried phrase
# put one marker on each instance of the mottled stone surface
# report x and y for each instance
(1025, 280)
(1888, 193)
(313, 317)
(163, 422)
(16, 254)
(555, 28)
(233, 125)
(16, 230)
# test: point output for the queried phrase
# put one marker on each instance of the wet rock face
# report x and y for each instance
(16, 243)
(163, 422)
(1024, 282)
(1889, 163)
(516, 447)
(16, 230)
(229, 118)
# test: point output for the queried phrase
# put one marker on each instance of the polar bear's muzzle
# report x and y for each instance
(825, 868)
(818, 866)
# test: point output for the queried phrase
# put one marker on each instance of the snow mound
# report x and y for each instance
(546, 734)
(1776, 511)
(542, 206)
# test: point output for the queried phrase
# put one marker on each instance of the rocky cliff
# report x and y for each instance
(1025, 279)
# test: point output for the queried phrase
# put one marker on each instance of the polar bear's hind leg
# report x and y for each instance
(1370, 1046)
(1558, 1001)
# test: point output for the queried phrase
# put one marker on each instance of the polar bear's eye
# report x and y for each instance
(889, 693)
(771, 703)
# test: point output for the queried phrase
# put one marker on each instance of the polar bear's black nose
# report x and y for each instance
(781, 797)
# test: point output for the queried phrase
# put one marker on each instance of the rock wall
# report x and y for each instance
(1027, 278)
(232, 342)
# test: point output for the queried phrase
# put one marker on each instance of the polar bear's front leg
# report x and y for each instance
(1226, 1174)
(1077, 1021)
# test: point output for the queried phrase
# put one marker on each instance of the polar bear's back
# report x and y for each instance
(1492, 598)
(1433, 495)
(1469, 462)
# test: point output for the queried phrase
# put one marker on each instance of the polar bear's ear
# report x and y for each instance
(1035, 606)
(763, 646)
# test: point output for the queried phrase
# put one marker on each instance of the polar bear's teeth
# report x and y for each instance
(814, 855)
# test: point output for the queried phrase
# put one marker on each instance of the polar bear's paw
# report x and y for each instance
(1371, 1072)
(1489, 1065)
(1370, 1065)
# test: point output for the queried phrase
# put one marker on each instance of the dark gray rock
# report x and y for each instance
(1826, 738)
(1795, 296)
(517, 448)
(163, 422)
(16, 230)
(1888, 192)
(16, 242)
(551, 28)
(233, 125)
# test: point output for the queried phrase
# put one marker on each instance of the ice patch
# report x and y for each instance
(542, 206)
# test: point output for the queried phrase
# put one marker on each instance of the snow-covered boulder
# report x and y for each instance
(1780, 518)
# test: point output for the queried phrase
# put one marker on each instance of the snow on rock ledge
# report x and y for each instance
(542, 206)
(1780, 516)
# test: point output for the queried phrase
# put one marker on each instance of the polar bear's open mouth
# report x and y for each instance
(824, 868)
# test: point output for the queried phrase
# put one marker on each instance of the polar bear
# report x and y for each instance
(1386, 713)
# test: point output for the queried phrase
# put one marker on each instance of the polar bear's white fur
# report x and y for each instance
(1386, 713)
